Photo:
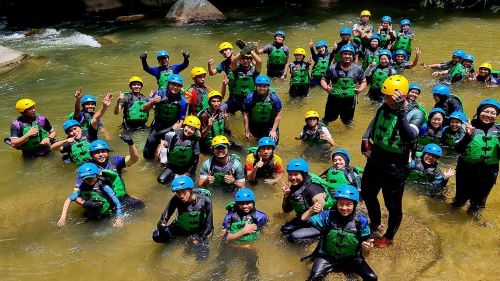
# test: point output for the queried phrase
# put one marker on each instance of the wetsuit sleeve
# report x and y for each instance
(365, 228)
(248, 104)
(151, 70)
(66, 148)
(226, 223)
(462, 144)
(209, 220)
(177, 68)
(261, 219)
(91, 134)
(277, 103)
(238, 173)
(220, 67)
(314, 55)
(455, 104)
(119, 161)
(15, 130)
(407, 132)
(169, 210)
(320, 220)
(368, 131)
(47, 126)
(267, 48)
(439, 181)
(287, 52)
(184, 107)
(118, 206)
(74, 195)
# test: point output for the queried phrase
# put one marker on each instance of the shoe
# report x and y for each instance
(382, 242)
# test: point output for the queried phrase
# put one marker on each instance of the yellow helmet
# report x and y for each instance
(225, 45)
(135, 79)
(192, 121)
(218, 140)
(486, 65)
(311, 114)
(214, 93)
(299, 51)
(24, 104)
(197, 71)
(393, 83)
(365, 13)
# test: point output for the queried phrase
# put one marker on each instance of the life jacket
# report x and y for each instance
(299, 202)
(379, 76)
(163, 78)
(219, 172)
(320, 67)
(117, 182)
(237, 223)
(456, 72)
(402, 43)
(484, 147)
(385, 132)
(299, 74)
(32, 144)
(217, 127)
(97, 193)
(167, 110)
(383, 38)
(370, 56)
(342, 242)
(423, 175)
(181, 150)
(85, 119)
(428, 136)
(132, 111)
(342, 87)
(264, 110)
(242, 83)
(337, 177)
(312, 138)
(267, 170)
(191, 221)
(201, 95)
(80, 152)
(277, 56)
(450, 138)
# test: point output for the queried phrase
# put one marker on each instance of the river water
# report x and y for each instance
(103, 56)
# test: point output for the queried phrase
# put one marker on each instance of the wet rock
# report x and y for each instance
(9, 58)
(101, 5)
(184, 11)
(130, 18)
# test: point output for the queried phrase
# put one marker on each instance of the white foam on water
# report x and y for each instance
(51, 37)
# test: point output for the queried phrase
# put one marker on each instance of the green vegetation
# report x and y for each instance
(462, 4)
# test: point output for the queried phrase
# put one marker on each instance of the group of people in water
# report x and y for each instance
(402, 143)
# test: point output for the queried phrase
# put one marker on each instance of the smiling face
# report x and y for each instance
(429, 158)
(174, 88)
(365, 19)
(299, 57)
(220, 151)
(405, 27)
(338, 162)
(484, 72)
(184, 195)
(74, 132)
(385, 24)
(163, 61)
(437, 120)
(345, 206)
(455, 59)
(384, 60)
(321, 50)
(399, 58)
(262, 89)
(265, 152)
(455, 124)
(215, 103)
(245, 61)
(100, 156)
(413, 94)
(136, 87)
(246, 206)
(488, 115)
(347, 57)
(226, 53)
(279, 39)
(189, 131)
(295, 177)
(374, 43)
(345, 37)
(89, 106)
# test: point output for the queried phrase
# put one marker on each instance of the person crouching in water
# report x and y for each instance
(424, 170)
(432, 131)
(314, 132)
(455, 131)
(299, 75)
(341, 172)
(264, 163)
(344, 233)
(183, 150)
(194, 216)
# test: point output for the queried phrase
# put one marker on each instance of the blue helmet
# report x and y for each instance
(347, 48)
(468, 57)
(492, 102)
(441, 89)
(181, 182)
(321, 43)
(385, 52)
(375, 36)
(162, 53)
(345, 31)
(244, 195)
(297, 164)
(263, 80)
(405, 22)
(344, 152)
(387, 19)
(458, 53)
(280, 32)
(415, 86)
(88, 170)
(433, 148)
(437, 109)
(348, 192)
(98, 145)
(267, 141)
(400, 52)
(176, 78)
(88, 98)
(459, 115)
(70, 123)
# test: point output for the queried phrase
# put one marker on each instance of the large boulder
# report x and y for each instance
(9, 58)
(194, 10)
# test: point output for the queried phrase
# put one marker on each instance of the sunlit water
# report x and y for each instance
(102, 57)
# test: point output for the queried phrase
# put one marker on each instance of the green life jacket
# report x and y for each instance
(167, 112)
(116, 182)
(313, 138)
(299, 203)
(457, 69)
(217, 129)
(277, 56)
(484, 147)
(347, 175)
(191, 221)
(383, 39)
(369, 58)
(384, 133)
(134, 113)
(219, 172)
(378, 78)
(96, 194)
(403, 43)
(263, 111)
(242, 85)
(201, 95)
(342, 242)
(80, 152)
(422, 108)
(237, 223)
(181, 151)
(343, 88)
(87, 120)
(163, 79)
(300, 74)
(320, 67)
(33, 142)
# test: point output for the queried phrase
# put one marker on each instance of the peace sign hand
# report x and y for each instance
(469, 129)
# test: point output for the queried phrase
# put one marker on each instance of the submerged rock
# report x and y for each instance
(130, 18)
(184, 11)
(9, 58)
